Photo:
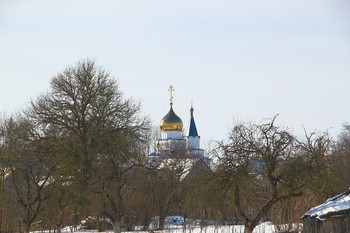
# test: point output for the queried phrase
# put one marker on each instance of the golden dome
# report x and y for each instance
(171, 122)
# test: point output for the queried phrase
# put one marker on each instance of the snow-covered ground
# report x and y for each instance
(266, 227)
(208, 229)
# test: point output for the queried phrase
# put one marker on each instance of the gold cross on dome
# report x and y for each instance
(171, 90)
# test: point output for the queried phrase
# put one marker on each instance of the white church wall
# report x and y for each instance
(171, 135)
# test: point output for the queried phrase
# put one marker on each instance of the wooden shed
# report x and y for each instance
(333, 216)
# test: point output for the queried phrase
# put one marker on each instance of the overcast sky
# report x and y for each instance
(237, 60)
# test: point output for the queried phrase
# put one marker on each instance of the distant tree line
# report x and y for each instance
(80, 151)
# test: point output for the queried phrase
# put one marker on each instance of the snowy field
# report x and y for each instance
(208, 229)
(267, 227)
(174, 224)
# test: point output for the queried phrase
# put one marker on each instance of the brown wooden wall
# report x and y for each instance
(338, 224)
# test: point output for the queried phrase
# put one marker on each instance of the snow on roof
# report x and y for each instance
(335, 204)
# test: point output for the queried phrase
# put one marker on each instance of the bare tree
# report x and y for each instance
(341, 164)
(100, 133)
(162, 185)
(126, 149)
(264, 164)
(168, 184)
(318, 163)
(29, 168)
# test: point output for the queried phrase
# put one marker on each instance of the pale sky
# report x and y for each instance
(237, 60)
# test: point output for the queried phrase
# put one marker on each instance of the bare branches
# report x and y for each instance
(83, 130)
(267, 161)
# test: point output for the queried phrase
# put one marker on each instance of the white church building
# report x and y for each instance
(174, 141)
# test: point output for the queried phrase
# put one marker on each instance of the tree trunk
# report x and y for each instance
(161, 222)
(61, 222)
(117, 226)
(162, 216)
(164, 211)
(99, 224)
(146, 220)
(184, 224)
(58, 227)
(248, 229)
(27, 228)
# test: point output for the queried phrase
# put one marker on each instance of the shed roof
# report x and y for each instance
(333, 206)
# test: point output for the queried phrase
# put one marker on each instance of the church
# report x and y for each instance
(174, 141)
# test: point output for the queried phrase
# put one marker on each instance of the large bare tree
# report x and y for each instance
(263, 164)
(100, 134)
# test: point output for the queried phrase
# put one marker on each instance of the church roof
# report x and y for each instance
(171, 122)
(192, 129)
